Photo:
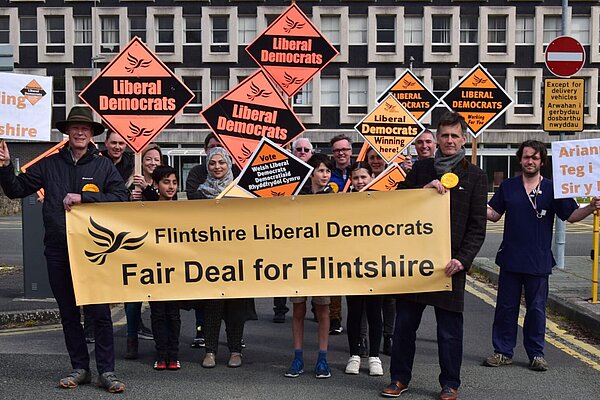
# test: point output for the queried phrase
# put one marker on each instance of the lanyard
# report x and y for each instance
(533, 202)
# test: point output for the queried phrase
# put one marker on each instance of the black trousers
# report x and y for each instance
(59, 274)
(214, 312)
(166, 326)
(356, 306)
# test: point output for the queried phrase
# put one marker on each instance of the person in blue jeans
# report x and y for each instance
(525, 255)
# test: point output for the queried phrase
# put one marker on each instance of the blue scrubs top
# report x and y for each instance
(527, 240)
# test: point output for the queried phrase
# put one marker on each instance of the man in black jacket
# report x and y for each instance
(116, 151)
(76, 174)
(467, 185)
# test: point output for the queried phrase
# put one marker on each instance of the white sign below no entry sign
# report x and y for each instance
(576, 168)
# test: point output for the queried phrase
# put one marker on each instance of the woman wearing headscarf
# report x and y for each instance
(235, 312)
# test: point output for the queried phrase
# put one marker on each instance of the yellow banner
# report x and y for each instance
(343, 244)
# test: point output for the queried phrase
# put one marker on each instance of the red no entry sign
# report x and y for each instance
(564, 56)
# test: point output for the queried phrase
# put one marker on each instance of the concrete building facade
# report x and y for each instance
(204, 42)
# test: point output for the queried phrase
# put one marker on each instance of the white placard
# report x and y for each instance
(25, 107)
(576, 168)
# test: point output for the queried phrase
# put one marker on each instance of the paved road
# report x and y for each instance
(32, 360)
(11, 251)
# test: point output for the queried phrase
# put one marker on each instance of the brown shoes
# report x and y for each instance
(209, 360)
(394, 389)
(448, 393)
(235, 360)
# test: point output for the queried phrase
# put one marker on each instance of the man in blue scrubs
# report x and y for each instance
(525, 256)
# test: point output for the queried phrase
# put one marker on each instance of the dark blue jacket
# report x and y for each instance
(93, 176)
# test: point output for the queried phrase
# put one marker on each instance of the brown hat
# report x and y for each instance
(80, 114)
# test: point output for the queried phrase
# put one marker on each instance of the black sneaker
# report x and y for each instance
(198, 343)
(110, 382)
(335, 327)
(144, 332)
(279, 317)
(75, 378)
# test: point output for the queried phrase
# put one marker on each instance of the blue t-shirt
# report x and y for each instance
(527, 240)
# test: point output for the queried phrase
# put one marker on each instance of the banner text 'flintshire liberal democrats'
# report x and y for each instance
(353, 243)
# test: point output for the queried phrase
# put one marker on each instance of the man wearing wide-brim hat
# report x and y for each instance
(76, 174)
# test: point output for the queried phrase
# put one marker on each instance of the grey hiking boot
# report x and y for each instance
(498, 360)
(110, 382)
(538, 364)
(75, 378)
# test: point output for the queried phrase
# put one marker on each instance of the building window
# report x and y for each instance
(193, 29)
(552, 28)
(358, 90)
(218, 87)
(55, 35)
(413, 30)
(220, 34)
(109, 31)
(525, 31)
(330, 91)
(59, 91)
(358, 29)
(469, 31)
(83, 29)
(28, 30)
(382, 83)
(137, 27)
(580, 29)
(165, 36)
(441, 84)
(441, 33)
(330, 28)
(497, 34)
(4, 29)
(302, 102)
(524, 95)
(80, 83)
(386, 34)
(246, 29)
(194, 83)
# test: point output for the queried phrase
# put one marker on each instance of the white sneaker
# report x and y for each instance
(375, 367)
(353, 365)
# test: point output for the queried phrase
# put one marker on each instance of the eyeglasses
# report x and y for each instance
(346, 150)
(303, 150)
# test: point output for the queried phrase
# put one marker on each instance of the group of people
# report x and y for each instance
(78, 173)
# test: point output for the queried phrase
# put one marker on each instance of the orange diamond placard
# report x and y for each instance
(272, 171)
(412, 94)
(137, 95)
(291, 50)
(479, 98)
(389, 128)
(388, 180)
(250, 111)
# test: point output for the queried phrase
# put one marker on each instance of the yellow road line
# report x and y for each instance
(483, 292)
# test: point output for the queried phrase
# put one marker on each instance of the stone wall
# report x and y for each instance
(8, 206)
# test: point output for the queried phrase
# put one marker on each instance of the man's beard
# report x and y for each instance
(530, 174)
